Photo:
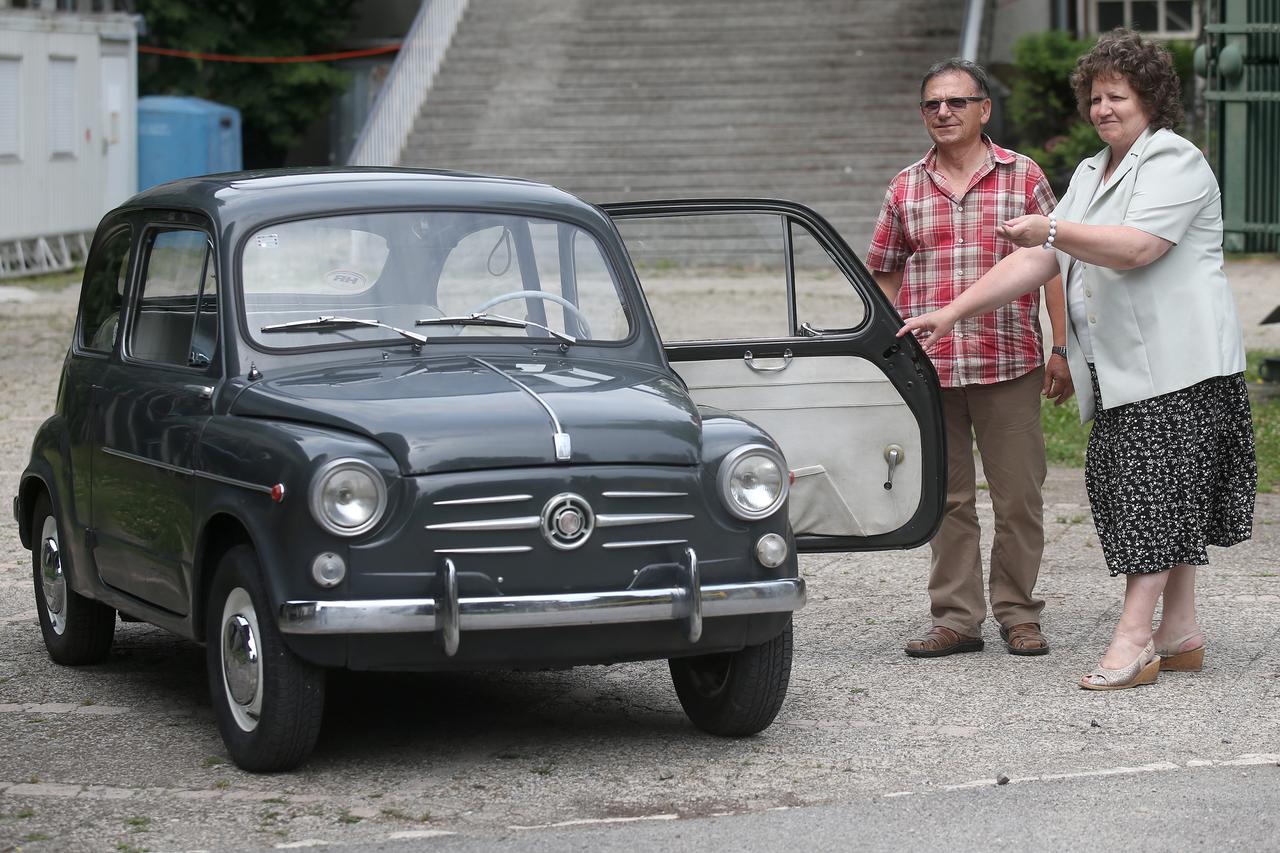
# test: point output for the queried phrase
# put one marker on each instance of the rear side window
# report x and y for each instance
(104, 281)
(176, 318)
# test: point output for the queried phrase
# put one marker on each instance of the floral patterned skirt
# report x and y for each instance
(1171, 474)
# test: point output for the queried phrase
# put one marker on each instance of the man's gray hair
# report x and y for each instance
(973, 69)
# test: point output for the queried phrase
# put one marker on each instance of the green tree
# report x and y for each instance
(1042, 105)
(276, 101)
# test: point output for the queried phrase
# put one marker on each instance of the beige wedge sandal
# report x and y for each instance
(1143, 670)
(1173, 659)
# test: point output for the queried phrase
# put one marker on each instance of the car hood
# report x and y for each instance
(461, 413)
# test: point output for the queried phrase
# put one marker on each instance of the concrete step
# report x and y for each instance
(638, 99)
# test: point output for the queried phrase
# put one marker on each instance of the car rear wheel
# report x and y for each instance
(268, 701)
(77, 630)
(738, 693)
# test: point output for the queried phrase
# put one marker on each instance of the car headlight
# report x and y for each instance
(348, 496)
(753, 481)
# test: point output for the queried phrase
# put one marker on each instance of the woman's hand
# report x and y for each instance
(1025, 231)
(929, 328)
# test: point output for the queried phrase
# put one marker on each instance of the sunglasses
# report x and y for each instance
(954, 104)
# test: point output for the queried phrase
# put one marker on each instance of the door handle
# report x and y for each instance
(893, 454)
(204, 392)
(749, 360)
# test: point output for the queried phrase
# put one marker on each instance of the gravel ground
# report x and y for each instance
(124, 755)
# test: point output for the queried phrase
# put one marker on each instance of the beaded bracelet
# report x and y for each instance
(1053, 232)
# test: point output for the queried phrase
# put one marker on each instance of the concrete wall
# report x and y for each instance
(45, 193)
(1012, 18)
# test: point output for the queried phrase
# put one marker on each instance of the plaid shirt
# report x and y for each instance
(945, 241)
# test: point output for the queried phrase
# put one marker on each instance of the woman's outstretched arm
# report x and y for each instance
(1019, 273)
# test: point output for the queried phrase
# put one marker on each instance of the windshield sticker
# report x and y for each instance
(345, 279)
(268, 241)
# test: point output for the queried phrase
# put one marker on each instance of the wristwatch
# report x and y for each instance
(1062, 351)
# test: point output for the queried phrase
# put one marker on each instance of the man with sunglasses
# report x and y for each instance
(936, 236)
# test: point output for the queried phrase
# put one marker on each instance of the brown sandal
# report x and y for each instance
(1025, 638)
(940, 641)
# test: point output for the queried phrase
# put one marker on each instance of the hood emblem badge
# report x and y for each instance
(567, 521)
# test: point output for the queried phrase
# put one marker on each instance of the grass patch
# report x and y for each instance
(1266, 427)
(1065, 437)
(52, 281)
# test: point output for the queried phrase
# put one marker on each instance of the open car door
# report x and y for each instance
(764, 311)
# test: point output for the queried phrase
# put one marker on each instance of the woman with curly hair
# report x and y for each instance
(1137, 237)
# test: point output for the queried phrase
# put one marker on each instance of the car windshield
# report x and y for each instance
(419, 277)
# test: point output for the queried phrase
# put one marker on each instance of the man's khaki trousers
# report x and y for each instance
(1004, 417)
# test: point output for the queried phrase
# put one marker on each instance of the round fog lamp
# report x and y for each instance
(771, 550)
(328, 569)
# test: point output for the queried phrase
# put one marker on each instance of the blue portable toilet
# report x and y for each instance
(183, 136)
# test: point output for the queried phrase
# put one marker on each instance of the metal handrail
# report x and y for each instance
(971, 35)
(382, 139)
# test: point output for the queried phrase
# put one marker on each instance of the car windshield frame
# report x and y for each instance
(626, 308)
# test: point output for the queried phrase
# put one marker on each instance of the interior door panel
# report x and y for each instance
(791, 332)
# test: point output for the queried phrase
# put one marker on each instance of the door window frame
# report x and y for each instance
(792, 214)
(135, 293)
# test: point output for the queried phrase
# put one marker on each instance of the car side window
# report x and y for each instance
(104, 282)
(734, 276)
(712, 277)
(178, 285)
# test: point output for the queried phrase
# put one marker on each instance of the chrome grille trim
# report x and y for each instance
(644, 494)
(650, 543)
(629, 519)
(496, 499)
(496, 549)
(524, 522)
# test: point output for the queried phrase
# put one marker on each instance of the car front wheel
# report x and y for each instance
(737, 693)
(77, 630)
(268, 701)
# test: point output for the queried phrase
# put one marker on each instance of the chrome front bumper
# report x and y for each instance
(688, 603)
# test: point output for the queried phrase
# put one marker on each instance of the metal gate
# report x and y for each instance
(1241, 62)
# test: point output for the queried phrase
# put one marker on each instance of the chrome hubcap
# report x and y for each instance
(51, 576)
(241, 663)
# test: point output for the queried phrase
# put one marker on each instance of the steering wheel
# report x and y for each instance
(583, 326)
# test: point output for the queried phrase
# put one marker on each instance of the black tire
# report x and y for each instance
(738, 693)
(77, 630)
(275, 723)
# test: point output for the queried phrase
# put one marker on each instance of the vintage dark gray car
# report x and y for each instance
(409, 420)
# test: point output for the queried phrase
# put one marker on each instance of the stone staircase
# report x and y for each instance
(614, 100)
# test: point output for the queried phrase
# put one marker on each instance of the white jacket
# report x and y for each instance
(1171, 323)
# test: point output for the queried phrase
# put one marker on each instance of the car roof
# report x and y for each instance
(245, 198)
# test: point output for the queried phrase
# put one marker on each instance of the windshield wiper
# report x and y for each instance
(320, 324)
(487, 319)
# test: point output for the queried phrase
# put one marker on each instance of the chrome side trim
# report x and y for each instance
(217, 478)
(190, 472)
(560, 439)
(617, 520)
(496, 499)
(649, 543)
(524, 522)
(495, 613)
(497, 549)
(644, 494)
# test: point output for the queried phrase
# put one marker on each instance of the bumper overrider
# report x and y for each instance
(688, 602)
